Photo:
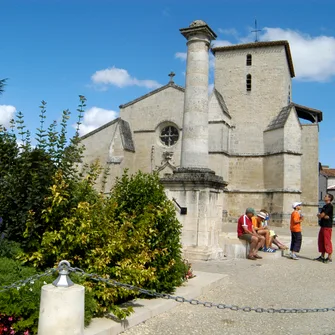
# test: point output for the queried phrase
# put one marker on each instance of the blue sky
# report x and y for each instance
(115, 51)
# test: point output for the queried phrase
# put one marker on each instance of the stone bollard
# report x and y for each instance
(62, 306)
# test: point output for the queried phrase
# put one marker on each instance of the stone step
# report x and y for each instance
(233, 247)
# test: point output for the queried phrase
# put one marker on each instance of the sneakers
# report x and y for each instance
(323, 260)
(320, 259)
(294, 256)
(265, 249)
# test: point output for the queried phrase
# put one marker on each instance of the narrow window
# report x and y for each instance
(248, 82)
(289, 95)
(249, 60)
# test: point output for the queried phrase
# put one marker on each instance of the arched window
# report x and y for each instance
(249, 60)
(248, 82)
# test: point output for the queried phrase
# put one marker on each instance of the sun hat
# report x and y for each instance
(250, 210)
(295, 204)
(262, 215)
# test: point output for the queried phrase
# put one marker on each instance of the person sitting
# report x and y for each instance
(273, 236)
(246, 231)
(257, 222)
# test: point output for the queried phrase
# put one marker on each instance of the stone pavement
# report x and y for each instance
(279, 283)
(145, 309)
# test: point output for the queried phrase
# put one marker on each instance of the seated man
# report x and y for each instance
(257, 222)
(246, 231)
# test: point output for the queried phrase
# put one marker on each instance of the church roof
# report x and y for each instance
(125, 133)
(221, 101)
(170, 84)
(280, 119)
(106, 125)
(328, 172)
(306, 113)
(260, 45)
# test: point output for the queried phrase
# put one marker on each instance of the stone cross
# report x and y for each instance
(171, 75)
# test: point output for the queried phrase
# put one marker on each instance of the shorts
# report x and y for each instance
(246, 237)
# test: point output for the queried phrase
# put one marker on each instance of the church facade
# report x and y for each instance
(262, 144)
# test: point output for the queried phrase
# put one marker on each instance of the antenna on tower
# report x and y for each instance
(256, 31)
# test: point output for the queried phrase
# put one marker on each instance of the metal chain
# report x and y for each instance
(151, 293)
(17, 285)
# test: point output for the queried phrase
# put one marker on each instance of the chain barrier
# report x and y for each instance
(17, 285)
(208, 304)
(151, 293)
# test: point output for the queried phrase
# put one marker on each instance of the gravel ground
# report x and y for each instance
(279, 283)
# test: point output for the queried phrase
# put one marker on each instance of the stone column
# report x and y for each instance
(194, 153)
(194, 185)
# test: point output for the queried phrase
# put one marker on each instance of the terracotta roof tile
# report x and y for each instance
(328, 172)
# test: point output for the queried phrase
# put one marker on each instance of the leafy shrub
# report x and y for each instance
(132, 236)
(142, 196)
(20, 305)
(9, 249)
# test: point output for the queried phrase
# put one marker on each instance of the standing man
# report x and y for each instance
(246, 231)
(326, 227)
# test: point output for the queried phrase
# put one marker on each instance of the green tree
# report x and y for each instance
(27, 172)
(2, 85)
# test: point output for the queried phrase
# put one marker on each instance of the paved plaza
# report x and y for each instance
(268, 283)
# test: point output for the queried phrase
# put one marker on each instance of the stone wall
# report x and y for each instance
(274, 141)
(203, 223)
(147, 117)
(97, 144)
(310, 171)
(219, 163)
(252, 111)
(149, 112)
(274, 172)
(246, 173)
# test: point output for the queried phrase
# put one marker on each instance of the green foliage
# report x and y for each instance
(142, 196)
(23, 301)
(27, 172)
(133, 236)
(9, 249)
(2, 85)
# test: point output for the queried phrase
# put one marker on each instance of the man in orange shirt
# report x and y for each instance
(295, 227)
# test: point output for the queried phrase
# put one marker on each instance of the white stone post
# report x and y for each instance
(62, 308)
(194, 153)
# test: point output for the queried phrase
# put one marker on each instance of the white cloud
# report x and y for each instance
(230, 31)
(121, 78)
(181, 55)
(6, 114)
(220, 43)
(94, 118)
(313, 57)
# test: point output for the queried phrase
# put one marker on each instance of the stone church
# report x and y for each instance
(246, 144)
